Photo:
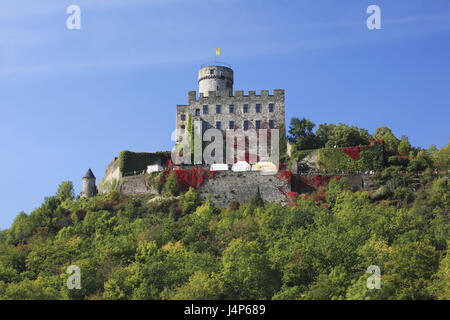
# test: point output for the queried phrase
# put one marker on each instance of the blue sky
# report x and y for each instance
(71, 100)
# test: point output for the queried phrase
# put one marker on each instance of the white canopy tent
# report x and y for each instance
(264, 166)
(219, 167)
(241, 166)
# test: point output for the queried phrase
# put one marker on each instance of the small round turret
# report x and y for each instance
(215, 78)
(89, 188)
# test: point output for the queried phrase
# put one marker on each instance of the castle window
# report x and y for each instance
(197, 112)
(271, 107)
(205, 126)
(258, 124)
(218, 125)
(205, 109)
(183, 117)
(183, 127)
(246, 125)
(258, 108)
(231, 108)
(231, 124)
(245, 108)
(218, 109)
(211, 71)
(271, 124)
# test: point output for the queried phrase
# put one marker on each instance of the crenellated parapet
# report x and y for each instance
(192, 95)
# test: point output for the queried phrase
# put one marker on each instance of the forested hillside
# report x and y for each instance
(319, 246)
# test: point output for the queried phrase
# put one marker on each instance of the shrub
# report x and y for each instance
(171, 185)
(398, 161)
(360, 158)
(138, 161)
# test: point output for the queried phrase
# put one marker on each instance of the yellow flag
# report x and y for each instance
(217, 51)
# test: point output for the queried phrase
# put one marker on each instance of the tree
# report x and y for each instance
(172, 184)
(324, 132)
(441, 280)
(330, 286)
(442, 158)
(191, 200)
(22, 228)
(390, 141)
(335, 188)
(246, 271)
(347, 136)
(201, 286)
(65, 191)
(404, 146)
(302, 138)
(301, 134)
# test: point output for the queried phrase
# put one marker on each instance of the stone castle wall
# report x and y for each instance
(135, 185)
(225, 100)
(223, 189)
(111, 178)
(228, 186)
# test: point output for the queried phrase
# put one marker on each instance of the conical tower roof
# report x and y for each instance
(89, 174)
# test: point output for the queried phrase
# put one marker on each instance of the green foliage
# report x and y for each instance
(190, 130)
(257, 200)
(334, 190)
(171, 184)
(420, 161)
(156, 180)
(398, 161)
(300, 154)
(282, 143)
(389, 139)
(65, 191)
(246, 271)
(440, 289)
(442, 159)
(191, 200)
(335, 160)
(404, 146)
(138, 161)
(301, 135)
(183, 248)
(347, 136)
(324, 133)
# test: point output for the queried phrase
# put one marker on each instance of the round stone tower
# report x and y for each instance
(215, 78)
(89, 188)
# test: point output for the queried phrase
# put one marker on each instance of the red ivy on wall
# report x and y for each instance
(315, 181)
(192, 178)
(285, 175)
(352, 152)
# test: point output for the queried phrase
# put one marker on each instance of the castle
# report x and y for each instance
(216, 107)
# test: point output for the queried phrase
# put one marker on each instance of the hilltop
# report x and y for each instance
(316, 244)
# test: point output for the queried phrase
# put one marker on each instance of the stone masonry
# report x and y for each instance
(228, 186)
(222, 110)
